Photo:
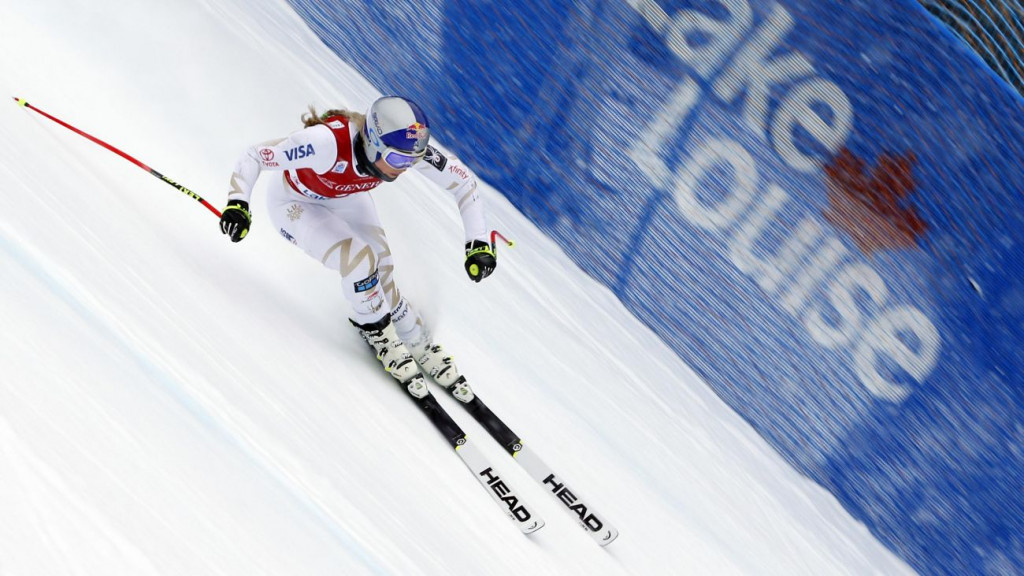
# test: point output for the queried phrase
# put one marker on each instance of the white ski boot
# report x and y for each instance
(441, 367)
(435, 362)
(393, 354)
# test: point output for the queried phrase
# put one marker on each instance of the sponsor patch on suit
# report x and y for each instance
(366, 284)
(435, 158)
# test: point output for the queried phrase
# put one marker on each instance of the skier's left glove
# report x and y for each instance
(480, 260)
(235, 220)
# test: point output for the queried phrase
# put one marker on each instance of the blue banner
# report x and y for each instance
(815, 203)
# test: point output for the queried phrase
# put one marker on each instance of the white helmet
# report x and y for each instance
(396, 130)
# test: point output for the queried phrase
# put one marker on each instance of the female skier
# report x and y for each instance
(320, 204)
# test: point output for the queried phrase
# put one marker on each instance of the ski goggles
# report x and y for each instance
(400, 160)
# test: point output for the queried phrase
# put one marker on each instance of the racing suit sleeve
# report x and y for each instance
(448, 172)
(313, 147)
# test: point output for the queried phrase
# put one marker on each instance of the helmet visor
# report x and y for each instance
(400, 160)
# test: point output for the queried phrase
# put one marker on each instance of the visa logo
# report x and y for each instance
(299, 152)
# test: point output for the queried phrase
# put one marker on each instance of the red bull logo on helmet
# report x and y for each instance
(418, 132)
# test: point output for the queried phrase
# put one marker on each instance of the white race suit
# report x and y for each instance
(321, 204)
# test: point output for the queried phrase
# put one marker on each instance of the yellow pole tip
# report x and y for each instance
(22, 102)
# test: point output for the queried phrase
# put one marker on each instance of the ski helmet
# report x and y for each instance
(396, 130)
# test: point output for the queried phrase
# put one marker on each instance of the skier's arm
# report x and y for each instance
(313, 148)
(448, 172)
(451, 174)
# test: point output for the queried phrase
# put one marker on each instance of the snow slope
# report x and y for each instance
(175, 404)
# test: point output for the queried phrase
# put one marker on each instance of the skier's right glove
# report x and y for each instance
(235, 220)
(480, 260)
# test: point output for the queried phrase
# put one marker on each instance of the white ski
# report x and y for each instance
(586, 516)
(503, 494)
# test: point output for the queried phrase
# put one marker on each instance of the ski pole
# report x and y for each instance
(495, 233)
(24, 103)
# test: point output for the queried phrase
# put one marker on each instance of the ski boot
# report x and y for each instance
(393, 354)
(441, 367)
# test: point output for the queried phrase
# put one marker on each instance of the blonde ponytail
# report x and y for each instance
(312, 118)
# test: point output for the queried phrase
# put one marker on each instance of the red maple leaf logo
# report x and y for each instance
(874, 209)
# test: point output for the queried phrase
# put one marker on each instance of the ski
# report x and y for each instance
(509, 499)
(581, 509)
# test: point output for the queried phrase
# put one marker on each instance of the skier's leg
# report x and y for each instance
(361, 213)
(407, 320)
(319, 228)
(408, 323)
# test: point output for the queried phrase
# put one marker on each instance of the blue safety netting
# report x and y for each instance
(816, 203)
(993, 28)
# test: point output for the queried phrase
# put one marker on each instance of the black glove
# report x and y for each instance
(235, 220)
(480, 260)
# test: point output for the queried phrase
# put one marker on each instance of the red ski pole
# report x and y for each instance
(494, 234)
(22, 102)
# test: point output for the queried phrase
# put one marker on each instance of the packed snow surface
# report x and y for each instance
(175, 404)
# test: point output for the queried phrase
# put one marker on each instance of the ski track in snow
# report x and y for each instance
(215, 414)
